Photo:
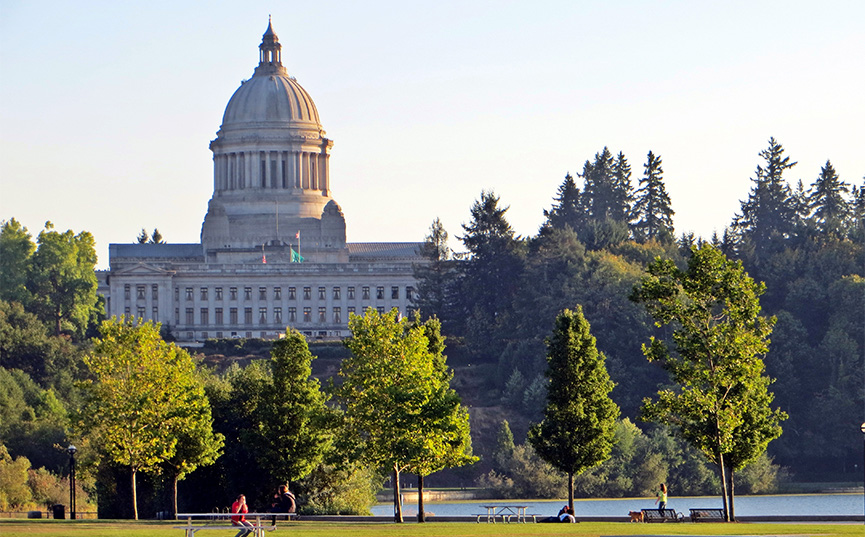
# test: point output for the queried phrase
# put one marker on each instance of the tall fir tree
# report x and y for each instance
(828, 203)
(567, 210)
(653, 210)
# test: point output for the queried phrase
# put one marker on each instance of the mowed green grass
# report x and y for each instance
(124, 528)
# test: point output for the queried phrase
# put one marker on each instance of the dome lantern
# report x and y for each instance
(270, 53)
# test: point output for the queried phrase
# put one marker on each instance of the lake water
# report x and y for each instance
(793, 504)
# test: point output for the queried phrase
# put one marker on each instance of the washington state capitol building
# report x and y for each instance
(273, 249)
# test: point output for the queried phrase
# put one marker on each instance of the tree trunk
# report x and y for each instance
(724, 487)
(174, 503)
(134, 496)
(571, 490)
(732, 516)
(397, 496)
(421, 516)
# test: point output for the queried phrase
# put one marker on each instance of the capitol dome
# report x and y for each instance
(271, 98)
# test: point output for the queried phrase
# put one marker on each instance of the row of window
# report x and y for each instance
(204, 292)
(264, 316)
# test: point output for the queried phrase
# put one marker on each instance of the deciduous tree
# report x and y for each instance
(579, 422)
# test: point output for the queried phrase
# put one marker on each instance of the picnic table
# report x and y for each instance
(505, 512)
(196, 522)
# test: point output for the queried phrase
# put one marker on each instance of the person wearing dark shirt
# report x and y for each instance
(283, 502)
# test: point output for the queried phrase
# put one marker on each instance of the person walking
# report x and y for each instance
(661, 498)
(239, 506)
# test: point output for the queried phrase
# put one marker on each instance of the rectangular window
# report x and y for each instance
(277, 293)
(204, 335)
(277, 315)
(262, 315)
(307, 293)
(190, 316)
(336, 293)
(189, 293)
(232, 293)
(232, 316)
(127, 311)
(337, 315)
(218, 292)
(247, 293)
(139, 292)
(219, 335)
(307, 315)
(127, 292)
(322, 295)
(204, 293)
(365, 295)
(350, 311)
(247, 315)
(409, 293)
(248, 335)
(394, 293)
(262, 293)
(155, 312)
(292, 315)
(204, 316)
(140, 310)
(176, 315)
(154, 292)
(322, 315)
(351, 293)
(380, 310)
(218, 314)
(292, 293)
(176, 294)
(379, 293)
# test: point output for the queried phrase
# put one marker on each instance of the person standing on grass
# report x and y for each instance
(283, 502)
(239, 506)
(661, 498)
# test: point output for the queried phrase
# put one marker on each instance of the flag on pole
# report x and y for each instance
(263, 258)
(295, 257)
(297, 235)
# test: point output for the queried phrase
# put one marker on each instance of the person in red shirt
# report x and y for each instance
(239, 506)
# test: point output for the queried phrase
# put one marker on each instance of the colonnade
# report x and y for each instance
(257, 170)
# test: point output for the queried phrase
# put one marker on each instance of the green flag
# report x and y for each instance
(295, 257)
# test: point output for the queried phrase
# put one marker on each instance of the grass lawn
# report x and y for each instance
(126, 528)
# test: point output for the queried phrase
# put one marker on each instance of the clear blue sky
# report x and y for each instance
(107, 108)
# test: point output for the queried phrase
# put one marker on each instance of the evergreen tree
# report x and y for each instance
(567, 210)
(653, 210)
(578, 428)
(143, 237)
(828, 203)
(436, 277)
(489, 276)
(768, 217)
(156, 237)
(622, 209)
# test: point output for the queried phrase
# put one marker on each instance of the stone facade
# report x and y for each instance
(273, 249)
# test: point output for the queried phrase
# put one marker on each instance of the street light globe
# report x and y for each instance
(862, 428)
(72, 449)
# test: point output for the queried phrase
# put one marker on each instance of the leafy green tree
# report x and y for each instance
(63, 279)
(197, 443)
(14, 491)
(828, 203)
(294, 422)
(653, 210)
(16, 251)
(395, 399)
(718, 337)
(138, 396)
(579, 422)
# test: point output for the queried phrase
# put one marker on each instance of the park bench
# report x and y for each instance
(662, 515)
(707, 514)
(196, 522)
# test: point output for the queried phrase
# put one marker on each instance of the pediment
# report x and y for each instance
(142, 269)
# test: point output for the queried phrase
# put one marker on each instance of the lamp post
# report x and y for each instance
(71, 450)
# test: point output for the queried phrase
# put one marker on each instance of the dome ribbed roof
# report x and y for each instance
(270, 97)
(273, 99)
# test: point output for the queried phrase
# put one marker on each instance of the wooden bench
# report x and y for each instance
(707, 514)
(662, 515)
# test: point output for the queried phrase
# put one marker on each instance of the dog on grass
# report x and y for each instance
(636, 516)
